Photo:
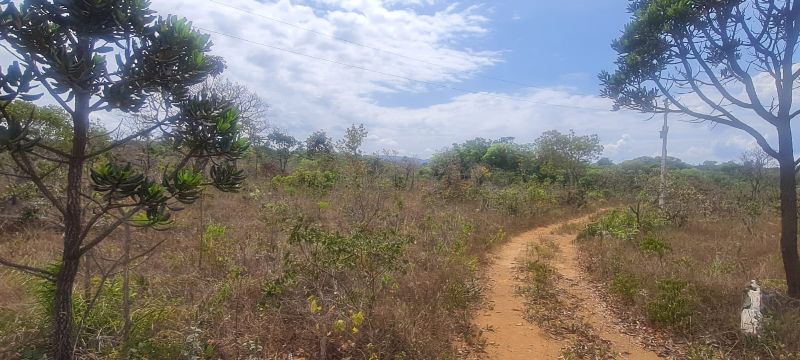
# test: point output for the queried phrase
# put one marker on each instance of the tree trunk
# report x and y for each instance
(63, 323)
(788, 186)
(63, 318)
(126, 290)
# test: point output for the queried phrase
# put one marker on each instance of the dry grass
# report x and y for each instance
(716, 258)
(247, 292)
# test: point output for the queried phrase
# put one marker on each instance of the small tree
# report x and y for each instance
(64, 46)
(284, 145)
(318, 143)
(566, 155)
(353, 139)
(755, 169)
(728, 62)
(502, 155)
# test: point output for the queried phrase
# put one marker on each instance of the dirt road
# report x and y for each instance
(509, 336)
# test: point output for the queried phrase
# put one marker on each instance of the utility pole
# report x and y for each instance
(664, 131)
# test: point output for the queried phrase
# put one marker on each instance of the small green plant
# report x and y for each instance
(652, 244)
(672, 305)
(625, 285)
(699, 352)
(540, 279)
(212, 249)
(619, 224)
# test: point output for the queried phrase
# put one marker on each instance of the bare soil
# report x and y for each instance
(509, 336)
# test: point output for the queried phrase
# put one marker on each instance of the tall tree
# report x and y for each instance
(63, 47)
(502, 155)
(728, 62)
(566, 155)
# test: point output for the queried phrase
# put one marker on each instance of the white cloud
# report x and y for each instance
(614, 148)
(307, 94)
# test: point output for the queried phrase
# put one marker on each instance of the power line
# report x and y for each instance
(466, 91)
(356, 43)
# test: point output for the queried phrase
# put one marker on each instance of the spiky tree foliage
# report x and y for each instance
(92, 55)
(728, 62)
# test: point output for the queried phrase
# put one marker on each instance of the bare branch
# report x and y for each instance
(44, 274)
(52, 150)
(741, 74)
(124, 140)
(713, 78)
(25, 164)
(720, 120)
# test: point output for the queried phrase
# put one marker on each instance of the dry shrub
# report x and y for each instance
(350, 258)
(694, 285)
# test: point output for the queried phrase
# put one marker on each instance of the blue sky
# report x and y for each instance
(553, 50)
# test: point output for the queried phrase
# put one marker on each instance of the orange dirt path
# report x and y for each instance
(509, 336)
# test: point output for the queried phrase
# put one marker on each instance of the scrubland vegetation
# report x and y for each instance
(345, 255)
(683, 268)
(196, 231)
(367, 256)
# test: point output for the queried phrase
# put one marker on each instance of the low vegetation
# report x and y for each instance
(684, 268)
(343, 256)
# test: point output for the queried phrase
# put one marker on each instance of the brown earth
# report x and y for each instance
(509, 336)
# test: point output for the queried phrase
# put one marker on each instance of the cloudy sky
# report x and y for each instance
(423, 74)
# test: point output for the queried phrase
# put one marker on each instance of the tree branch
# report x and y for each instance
(52, 150)
(110, 228)
(713, 78)
(44, 274)
(43, 80)
(124, 140)
(716, 119)
(27, 167)
(741, 74)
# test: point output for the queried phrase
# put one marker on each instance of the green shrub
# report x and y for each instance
(318, 180)
(591, 230)
(652, 244)
(672, 305)
(699, 352)
(619, 224)
(625, 285)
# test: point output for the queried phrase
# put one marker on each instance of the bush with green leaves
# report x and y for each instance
(302, 179)
(652, 244)
(672, 305)
(625, 286)
(368, 259)
(618, 224)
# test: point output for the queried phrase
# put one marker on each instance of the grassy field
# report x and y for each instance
(337, 259)
(689, 281)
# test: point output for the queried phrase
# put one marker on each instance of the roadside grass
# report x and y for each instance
(547, 307)
(688, 281)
